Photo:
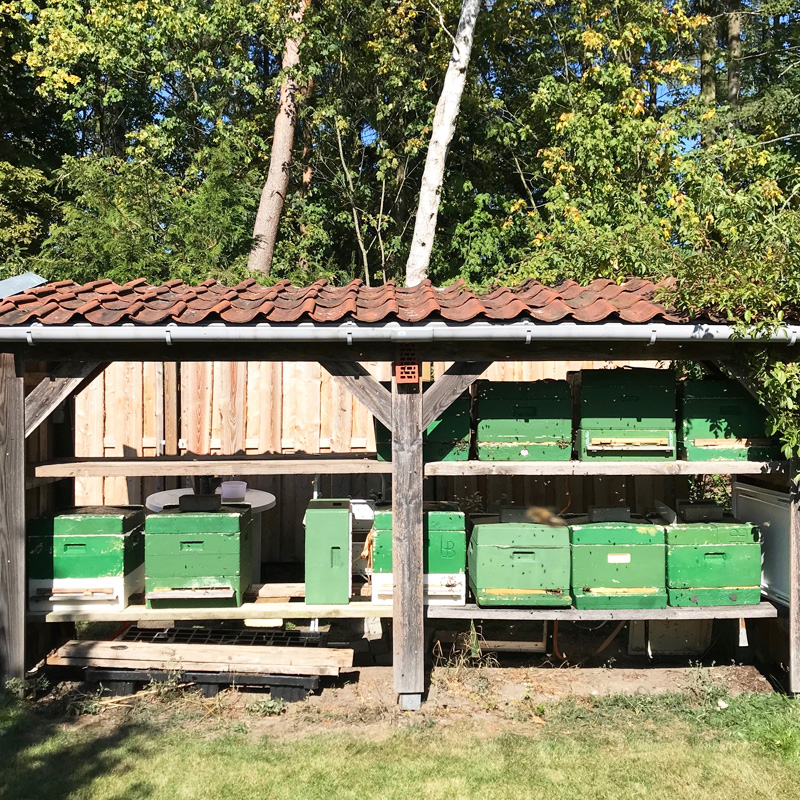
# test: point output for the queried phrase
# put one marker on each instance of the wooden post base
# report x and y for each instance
(410, 702)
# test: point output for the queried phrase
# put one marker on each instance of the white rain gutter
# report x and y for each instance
(392, 332)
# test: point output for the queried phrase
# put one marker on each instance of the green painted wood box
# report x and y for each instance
(445, 439)
(86, 555)
(519, 564)
(627, 415)
(445, 539)
(713, 563)
(618, 564)
(198, 559)
(720, 420)
(523, 421)
(329, 526)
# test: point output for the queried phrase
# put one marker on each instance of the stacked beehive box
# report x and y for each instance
(198, 559)
(713, 563)
(86, 557)
(618, 564)
(519, 564)
(523, 421)
(444, 555)
(627, 415)
(721, 421)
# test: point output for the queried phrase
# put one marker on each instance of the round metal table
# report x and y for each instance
(257, 500)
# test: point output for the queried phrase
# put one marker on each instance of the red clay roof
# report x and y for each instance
(106, 303)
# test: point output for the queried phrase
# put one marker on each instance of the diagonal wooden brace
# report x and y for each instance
(448, 387)
(355, 378)
(65, 380)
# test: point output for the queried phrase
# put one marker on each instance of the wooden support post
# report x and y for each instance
(407, 475)
(794, 578)
(12, 519)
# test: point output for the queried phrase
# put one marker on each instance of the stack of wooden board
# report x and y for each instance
(226, 658)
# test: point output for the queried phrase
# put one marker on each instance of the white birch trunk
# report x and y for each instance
(273, 195)
(444, 125)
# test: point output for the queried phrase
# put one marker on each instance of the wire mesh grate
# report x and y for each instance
(244, 637)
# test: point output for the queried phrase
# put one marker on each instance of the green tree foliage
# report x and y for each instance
(583, 147)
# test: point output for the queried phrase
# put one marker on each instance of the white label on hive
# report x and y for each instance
(619, 558)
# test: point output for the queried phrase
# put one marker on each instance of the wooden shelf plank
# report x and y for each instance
(762, 610)
(439, 468)
(360, 608)
(331, 465)
(208, 465)
(356, 609)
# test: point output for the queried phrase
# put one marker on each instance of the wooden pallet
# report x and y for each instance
(238, 659)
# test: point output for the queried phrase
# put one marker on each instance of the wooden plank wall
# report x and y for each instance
(262, 407)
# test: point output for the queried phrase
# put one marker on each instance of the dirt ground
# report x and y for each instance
(497, 689)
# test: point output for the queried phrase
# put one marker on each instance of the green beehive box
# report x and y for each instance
(627, 415)
(89, 542)
(720, 420)
(519, 564)
(189, 553)
(618, 564)
(444, 540)
(329, 538)
(523, 421)
(713, 564)
(445, 439)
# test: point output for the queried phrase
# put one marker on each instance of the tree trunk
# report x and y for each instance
(273, 195)
(444, 124)
(734, 51)
(708, 51)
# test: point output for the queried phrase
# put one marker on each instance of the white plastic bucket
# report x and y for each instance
(233, 491)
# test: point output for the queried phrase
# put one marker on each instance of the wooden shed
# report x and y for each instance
(77, 330)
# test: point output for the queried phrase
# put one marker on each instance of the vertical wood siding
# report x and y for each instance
(295, 407)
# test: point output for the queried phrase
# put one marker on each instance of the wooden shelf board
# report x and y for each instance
(208, 465)
(599, 468)
(356, 609)
(331, 465)
(360, 608)
(762, 610)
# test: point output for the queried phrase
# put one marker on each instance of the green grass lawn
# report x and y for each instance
(667, 746)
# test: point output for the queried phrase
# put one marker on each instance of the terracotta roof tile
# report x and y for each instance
(104, 302)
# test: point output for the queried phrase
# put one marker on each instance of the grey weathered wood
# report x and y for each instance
(55, 389)
(357, 608)
(12, 520)
(794, 580)
(407, 476)
(439, 397)
(762, 610)
(364, 388)
(208, 465)
(434, 350)
(438, 468)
